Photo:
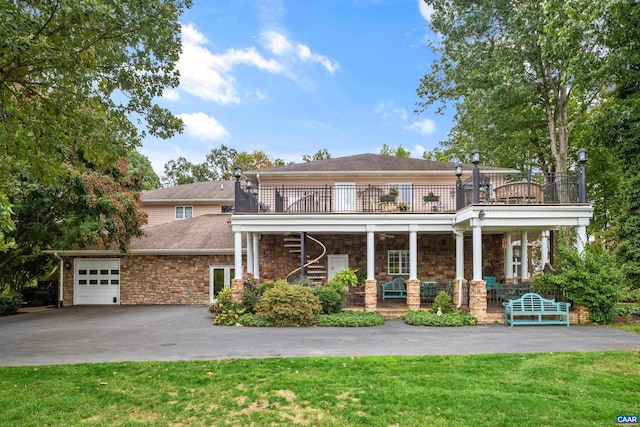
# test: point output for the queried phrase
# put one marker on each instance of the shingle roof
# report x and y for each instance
(373, 163)
(207, 190)
(198, 233)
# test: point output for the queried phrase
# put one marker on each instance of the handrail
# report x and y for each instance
(324, 251)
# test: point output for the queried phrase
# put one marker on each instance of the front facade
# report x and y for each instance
(386, 217)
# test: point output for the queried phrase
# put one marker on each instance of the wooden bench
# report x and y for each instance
(396, 288)
(532, 309)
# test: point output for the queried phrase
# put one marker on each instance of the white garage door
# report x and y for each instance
(96, 281)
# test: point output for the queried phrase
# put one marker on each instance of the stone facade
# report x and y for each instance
(160, 279)
(436, 254)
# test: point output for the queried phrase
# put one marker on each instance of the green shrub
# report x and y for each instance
(227, 312)
(250, 298)
(431, 318)
(350, 319)
(592, 280)
(443, 301)
(251, 319)
(346, 278)
(291, 305)
(10, 303)
(330, 299)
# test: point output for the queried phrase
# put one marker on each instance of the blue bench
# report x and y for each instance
(396, 288)
(532, 309)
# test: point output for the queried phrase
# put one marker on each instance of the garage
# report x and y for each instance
(96, 281)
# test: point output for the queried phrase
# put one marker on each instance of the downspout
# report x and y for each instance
(60, 281)
(459, 279)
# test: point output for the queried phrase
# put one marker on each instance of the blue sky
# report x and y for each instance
(292, 77)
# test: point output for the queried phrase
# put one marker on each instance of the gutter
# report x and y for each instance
(60, 281)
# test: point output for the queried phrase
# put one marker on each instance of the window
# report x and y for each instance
(219, 278)
(398, 262)
(183, 212)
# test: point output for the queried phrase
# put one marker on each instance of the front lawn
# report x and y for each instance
(480, 390)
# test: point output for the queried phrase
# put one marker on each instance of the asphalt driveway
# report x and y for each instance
(127, 333)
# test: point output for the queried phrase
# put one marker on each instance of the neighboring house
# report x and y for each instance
(388, 217)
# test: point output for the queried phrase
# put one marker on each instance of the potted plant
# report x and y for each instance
(431, 197)
(390, 197)
(403, 206)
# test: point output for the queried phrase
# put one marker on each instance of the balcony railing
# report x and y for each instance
(409, 198)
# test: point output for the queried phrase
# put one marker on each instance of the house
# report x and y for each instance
(464, 227)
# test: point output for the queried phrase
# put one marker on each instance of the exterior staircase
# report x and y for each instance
(316, 272)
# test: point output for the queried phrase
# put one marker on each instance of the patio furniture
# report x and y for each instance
(396, 288)
(518, 193)
(532, 309)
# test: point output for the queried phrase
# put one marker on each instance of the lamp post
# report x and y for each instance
(459, 192)
(237, 175)
(476, 176)
(582, 190)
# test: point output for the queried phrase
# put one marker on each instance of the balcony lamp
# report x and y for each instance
(459, 170)
(582, 156)
(238, 173)
(475, 157)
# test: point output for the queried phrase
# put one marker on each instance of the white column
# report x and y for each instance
(250, 253)
(477, 253)
(413, 255)
(371, 255)
(524, 255)
(544, 248)
(459, 255)
(237, 246)
(581, 239)
(508, 262)
(256, 255)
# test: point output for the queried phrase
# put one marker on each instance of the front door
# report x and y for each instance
(219, 279)
(337, 263)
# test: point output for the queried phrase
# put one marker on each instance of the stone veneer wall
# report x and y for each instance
(436, 254)
(161, 279)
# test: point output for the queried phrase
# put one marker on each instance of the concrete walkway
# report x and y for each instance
(128, 333)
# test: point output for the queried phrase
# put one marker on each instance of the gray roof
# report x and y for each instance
(197, 233)
(365, 163)
(199, 191)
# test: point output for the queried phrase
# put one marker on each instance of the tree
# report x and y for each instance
(141, 164)
(320, 155)
(386, 150)
(73, 74)
(89, 208)
(515, 67)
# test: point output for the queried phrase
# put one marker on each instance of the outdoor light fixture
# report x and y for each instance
(482, 214)
(67, 265)
(459, 170)
(582, 156)
(238, 173)
(475, 157)
(249, 185)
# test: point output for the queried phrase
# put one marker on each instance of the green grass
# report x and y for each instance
(562, 389)
(629, 327)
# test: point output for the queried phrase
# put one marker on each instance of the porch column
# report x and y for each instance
(544, 248)
(477, 253)
(459, 255)
(256, 255)
(413, 254)
(508, 261)
(250, 253)
(371, 284)
(371, 255)
(237, 284)
(524, 256)
(581, 239)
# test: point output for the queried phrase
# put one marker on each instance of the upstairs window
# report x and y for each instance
(183, 212)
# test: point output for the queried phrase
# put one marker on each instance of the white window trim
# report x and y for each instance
(404, 269)
(183, 209)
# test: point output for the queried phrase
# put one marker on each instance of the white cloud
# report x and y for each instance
(171, 95)
(425, 10)
(424, 127)
(203, 127)
(208, 75)
(388, 109)
(278, 44)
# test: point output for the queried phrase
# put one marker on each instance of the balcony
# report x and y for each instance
(504, 189)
